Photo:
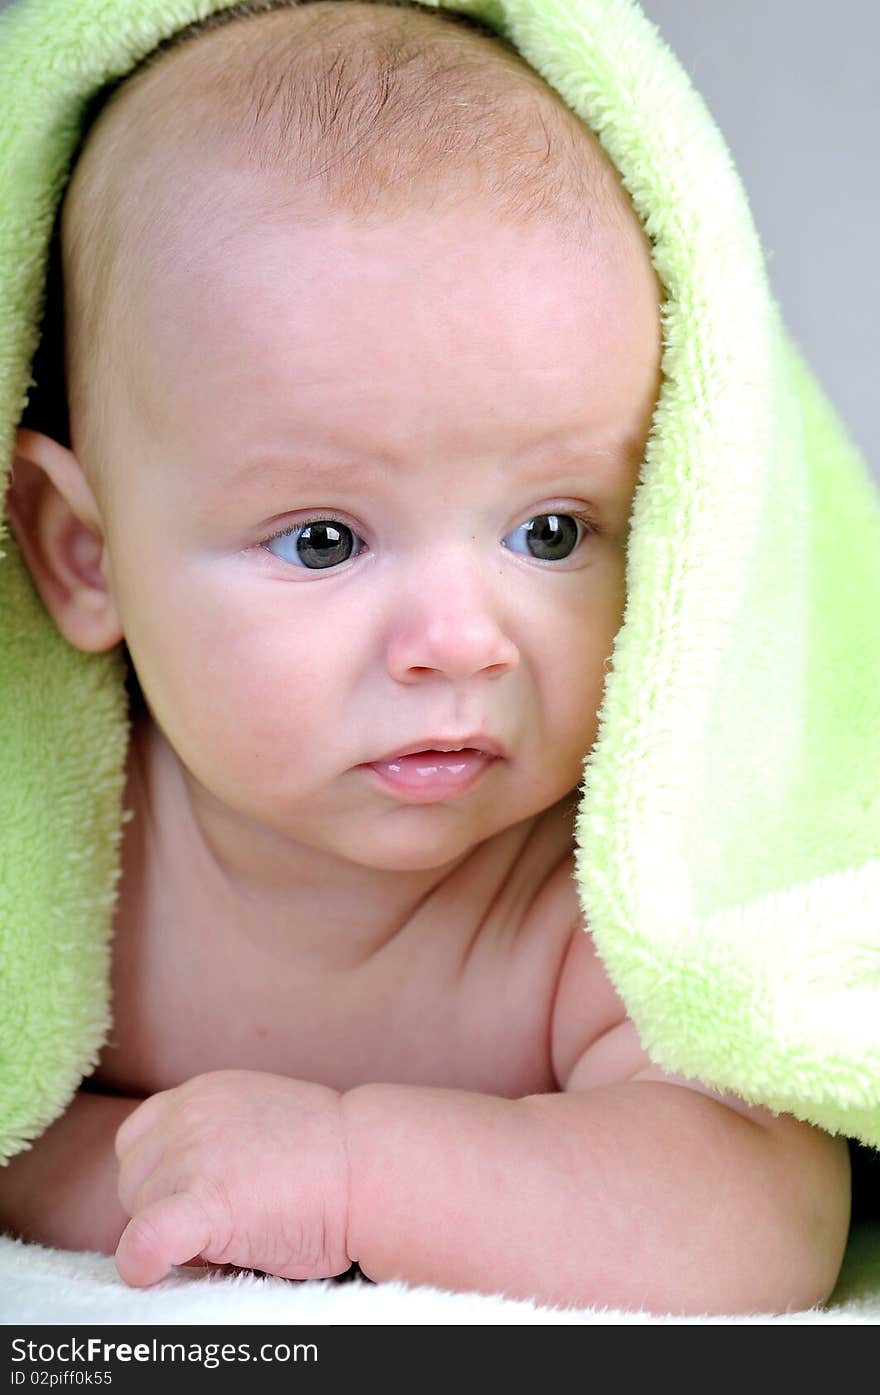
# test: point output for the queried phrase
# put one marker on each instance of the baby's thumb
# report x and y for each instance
(169, 1231)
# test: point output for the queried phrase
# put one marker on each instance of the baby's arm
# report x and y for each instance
(62, 1190)
(643, 1194)
(628, 1187)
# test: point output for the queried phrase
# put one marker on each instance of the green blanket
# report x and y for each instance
(728, 837)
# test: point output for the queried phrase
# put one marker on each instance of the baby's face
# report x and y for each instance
(424, 390)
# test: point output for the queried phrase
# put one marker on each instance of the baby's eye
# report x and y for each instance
(316, 544)
(552, 537)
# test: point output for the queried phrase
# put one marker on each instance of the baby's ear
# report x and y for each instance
(58, 529)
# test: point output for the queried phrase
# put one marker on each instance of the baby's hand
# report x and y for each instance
(239, 1167)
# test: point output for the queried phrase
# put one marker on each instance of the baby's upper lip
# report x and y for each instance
(475, 741)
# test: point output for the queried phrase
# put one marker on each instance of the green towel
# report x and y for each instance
(728, 834)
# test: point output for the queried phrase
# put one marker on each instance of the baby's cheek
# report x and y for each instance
(253, 694)
(577, 699)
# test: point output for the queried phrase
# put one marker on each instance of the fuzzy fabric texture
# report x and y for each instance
(728, 835)
(40, 1285)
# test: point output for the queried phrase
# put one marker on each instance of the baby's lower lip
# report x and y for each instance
(431, 775)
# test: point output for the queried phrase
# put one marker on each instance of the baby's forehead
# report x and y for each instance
(360, 108)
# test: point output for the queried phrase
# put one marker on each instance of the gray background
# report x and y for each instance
(793, 86)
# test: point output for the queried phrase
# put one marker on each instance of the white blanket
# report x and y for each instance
(39, 1285)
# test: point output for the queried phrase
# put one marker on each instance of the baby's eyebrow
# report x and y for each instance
(303, 469)
(296, 466)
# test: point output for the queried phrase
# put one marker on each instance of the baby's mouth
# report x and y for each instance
(431, 774)
(475, 743)
(431, 759)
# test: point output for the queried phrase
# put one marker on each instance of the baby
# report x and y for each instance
(363, 344)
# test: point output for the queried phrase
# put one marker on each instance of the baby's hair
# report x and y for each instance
(370, 107)
(365, 99)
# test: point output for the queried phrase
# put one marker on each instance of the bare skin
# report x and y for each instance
(415, 1007)
(412, 980)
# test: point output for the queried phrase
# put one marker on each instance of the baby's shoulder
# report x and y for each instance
(583, 1003)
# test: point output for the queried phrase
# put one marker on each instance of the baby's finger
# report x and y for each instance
(139, 1121)
(137, 1168)
(169, 1231)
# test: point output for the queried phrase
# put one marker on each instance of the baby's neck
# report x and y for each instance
(183, 851)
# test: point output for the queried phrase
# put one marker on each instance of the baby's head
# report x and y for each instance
(352, 263)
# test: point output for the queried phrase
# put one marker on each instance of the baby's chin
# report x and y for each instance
(423, 839)
(437, 838)
(433, 837)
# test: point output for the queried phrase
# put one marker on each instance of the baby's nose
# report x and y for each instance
(451, 629)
